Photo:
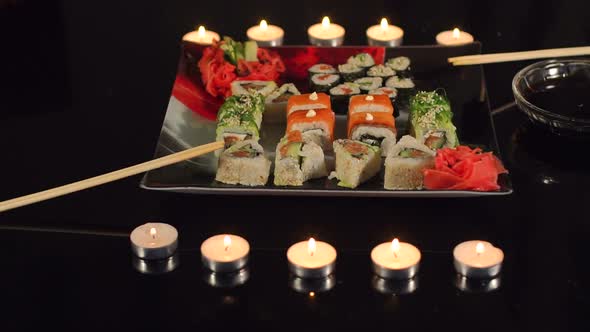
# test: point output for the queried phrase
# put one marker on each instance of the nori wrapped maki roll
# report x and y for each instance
(350, 72)
(341, 94)
(401, 65)
(380, 71)
(367, 84)
(431, 120)
(405, 89)
(363, 60)
(321, 68)
(323, 82)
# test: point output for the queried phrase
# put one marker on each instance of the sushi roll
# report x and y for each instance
(252, 87)
(323, 82)
(243, 163)
(405, 164)
(367, 84)
(363, 60)
(276, 103)
(431, 120)
(308, 101)
(377, 129)
(341, 94)
(239, 118)
(401, 65)
(350, 72)
(370, 103)
(321, 68)
(391, 93)
(298, 160)
(356, 162)
(405, 88)
(315, 125)
(380, 71)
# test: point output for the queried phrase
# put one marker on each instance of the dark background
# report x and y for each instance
(84, 86)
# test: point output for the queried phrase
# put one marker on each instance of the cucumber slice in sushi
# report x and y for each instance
(363, 60)
(340, 96)
(323, 82)
(369, 83)
(350, 72)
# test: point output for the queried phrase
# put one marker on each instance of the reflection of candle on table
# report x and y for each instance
(385, 34)
(266, 34)
(326, 33)
(478, 259)
(201, 36)
(455, 37)
(225, 253)
(311, 259)
(395, 260)
(154, 241)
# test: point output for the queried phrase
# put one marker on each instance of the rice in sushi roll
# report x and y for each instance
(376, 128)
(298, 160)
(405, 164)
(405, 89)
(380, 71)
(341, 94)
(307, 102)
(370, 103)
(276, 103)
(323, 82)
(369, 83)
(401, 65)
(243, 163)
(315, 125)
(252, 87)
(363, 60)
(350, 72)
(356, 162)
(321, 68)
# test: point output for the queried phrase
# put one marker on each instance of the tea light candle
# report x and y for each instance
(478, 259)
(311, 259)
(265, 34)
(395, 260)
(225, 253)
(385, 34)
(202, 36)
(154, 240)
(326, 33)
(454, 37)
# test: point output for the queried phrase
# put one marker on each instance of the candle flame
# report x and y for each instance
(395, 247)
(263, 25)
(384, 24)
(311, 246)
(456, 33)
(326, 22)
(153, 233)
(479, 248)
(201, 31)
(226, 242)
(311, 294)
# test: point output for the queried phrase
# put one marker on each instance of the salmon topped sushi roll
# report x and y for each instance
(315, 126)
(377, 129)
(370, 103)
(308, 101)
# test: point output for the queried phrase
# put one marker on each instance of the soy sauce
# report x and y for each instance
(567, 96)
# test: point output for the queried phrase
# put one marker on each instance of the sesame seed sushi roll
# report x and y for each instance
(322, 68)
(239, 118)
(315, 125)
(252, 87)
(367, 84)
(308, 101)
(431, 120)
(356, 162)
(276, 103)
(350, 72)
(297, 160)
(401, 65)
(380, 71)
(405, 164)
(405, 88)
(243, 163)
(377, 129)
(323, 82)
(370, 103)
(363, 60)
(341, 94)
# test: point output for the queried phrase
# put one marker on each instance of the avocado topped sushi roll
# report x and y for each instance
(321, 68)
(431, 120)
(350, 72)
(323, 82)
(239, 118)
(401, 65)
(341, 95)
(369, 83)
(380, 71)
(363, 60)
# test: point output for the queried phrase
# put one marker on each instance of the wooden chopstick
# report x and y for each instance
(516, 56)
(110, 177)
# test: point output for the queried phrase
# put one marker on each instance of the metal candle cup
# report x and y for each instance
(385, 34)
(326, 34)
(266, 34)
(478, 259)
(391, 286)
(225, 253)
(395, 260)
(311, 259)
(317, 285)
(159, 266)
(154, 241)
(227, 280)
